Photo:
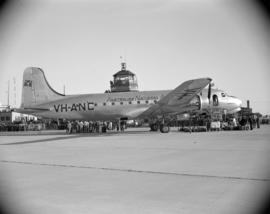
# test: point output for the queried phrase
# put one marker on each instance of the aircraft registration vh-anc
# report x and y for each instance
(192, 96)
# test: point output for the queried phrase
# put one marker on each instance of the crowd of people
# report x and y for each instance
(249, 122)
(192, 124)
(96, 127)
(70, 126)
(232, 123)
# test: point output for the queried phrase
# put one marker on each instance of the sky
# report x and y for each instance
(79, 44)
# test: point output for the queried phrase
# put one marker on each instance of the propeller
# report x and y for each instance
(209, 92)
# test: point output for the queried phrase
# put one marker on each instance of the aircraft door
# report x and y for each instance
(215, 100)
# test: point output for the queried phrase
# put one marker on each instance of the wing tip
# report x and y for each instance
(203, 78)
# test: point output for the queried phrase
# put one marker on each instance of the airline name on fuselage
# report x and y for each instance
(128, 99)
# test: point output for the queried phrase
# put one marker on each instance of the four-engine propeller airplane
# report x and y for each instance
(38, 98)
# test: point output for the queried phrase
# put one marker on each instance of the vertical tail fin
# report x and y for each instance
(36, 89)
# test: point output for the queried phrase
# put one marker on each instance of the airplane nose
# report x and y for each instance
(238, 102)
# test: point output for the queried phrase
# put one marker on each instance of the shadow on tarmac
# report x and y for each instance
(65, 136)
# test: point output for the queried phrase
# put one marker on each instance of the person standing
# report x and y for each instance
(86, 126)
(81, 126)
(258, 122)
(117, 126)
(234, 124)
(110, 125)
(69, 126)
(250, 123)
(208, 124)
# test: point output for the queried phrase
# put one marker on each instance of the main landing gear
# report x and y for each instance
(163, 127)
(154, 127)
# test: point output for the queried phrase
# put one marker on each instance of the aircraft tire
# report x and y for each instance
(153, 127)
(164, 129)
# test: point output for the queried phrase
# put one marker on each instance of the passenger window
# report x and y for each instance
(138, 102)
(95, 104)
(130, 102)
(104, 104)
(121, 103)
(113, 103)
(155, 101)
(146, 101)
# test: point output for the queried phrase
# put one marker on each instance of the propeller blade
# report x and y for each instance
(209, 92)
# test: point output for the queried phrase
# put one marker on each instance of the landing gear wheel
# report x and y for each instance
(164, 129)
(154, 127)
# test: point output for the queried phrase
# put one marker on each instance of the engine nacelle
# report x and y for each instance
(201, 103)
(204, 103)
(196, 102)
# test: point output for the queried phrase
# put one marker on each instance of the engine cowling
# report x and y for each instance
(201, 103)
(204, 103)
(196, 102)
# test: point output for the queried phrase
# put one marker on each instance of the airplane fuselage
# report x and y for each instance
(128, 105)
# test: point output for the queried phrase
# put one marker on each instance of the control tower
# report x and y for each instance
(124, 80)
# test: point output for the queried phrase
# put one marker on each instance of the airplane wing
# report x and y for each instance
(178, 100)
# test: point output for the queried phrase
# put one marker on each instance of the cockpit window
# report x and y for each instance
(223, 94)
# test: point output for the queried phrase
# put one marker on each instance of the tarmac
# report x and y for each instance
(136, 171)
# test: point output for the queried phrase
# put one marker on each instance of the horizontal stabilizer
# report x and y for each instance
(30, 110)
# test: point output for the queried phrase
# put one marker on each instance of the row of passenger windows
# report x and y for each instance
(130, 103)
